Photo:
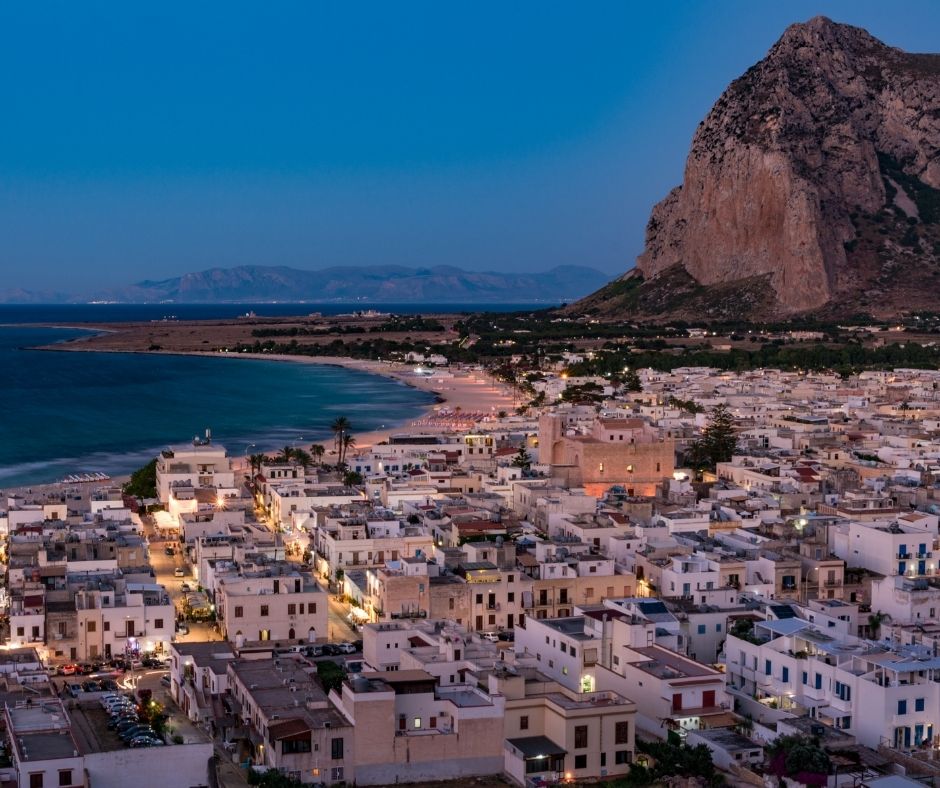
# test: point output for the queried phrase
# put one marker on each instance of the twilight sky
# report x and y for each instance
(144, 140)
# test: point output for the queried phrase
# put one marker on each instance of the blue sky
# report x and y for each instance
(146, 140)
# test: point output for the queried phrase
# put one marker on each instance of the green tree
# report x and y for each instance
(143, 481)
(330, 675)
(272, 778)
(302, 458)
(521, 459)
(349, 442)
(718, 442)
(352, 478)
(316, 452)
(340, 428)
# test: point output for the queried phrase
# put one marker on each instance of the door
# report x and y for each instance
(479, 623)
(677, 702)
(708, 698)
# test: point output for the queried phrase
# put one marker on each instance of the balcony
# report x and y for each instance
(903, 556)
(492, 606)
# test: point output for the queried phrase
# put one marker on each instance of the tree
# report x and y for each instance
(349, 442)
(718, 442)
(143, 481)
(340, 428)
(352, 478)
(316, 452)
(256, 461)
(272, 778)
(875, 621)
(521, 459)
(287, 454)
(302, 458)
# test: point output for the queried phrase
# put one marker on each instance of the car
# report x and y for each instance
(151, 662)
(128, 725)
(91, 686)
(345, 648)
(182, 628)
(331, 649)
(507, 635)
(314, 651)
(117, 722)
(169, 550)
(358, 645)
(68, 670)
(493, 637)
(145, 741)
(135, 731)
(121, 708)
(165, 680)
(185, 588)
(178, 572)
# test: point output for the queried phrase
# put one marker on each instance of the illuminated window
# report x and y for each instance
(417, 723)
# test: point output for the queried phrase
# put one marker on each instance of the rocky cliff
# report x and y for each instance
(813, 184)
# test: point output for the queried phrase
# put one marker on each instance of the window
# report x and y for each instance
(902, 707)
(511, 597)
(580, 737)
(417, 723)
(622, 733)
(20, 632)
(264, 610)
(239, 611)
(92, 626)
(768, 668)
(35, 780)
(336, 749)
(701, 629)
(621, 757)
(805, 677)
(718, 627)
(65, 776)
(291, 609)
(107, 626)
(524, 722)
(580, 761)
(158, 623)
(479, 599)
(919, 704)
(292, 747)
(785, 674)
(312, 608)
(450, 603)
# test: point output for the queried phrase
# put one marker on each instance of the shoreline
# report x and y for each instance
(462, 397)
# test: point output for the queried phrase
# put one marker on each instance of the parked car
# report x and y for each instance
(169, 550)
(165, 680)
(314, 651)
(346, 648)
(182, 628)
(145, 741)
(185, 588)
(135, 731)
(151, 662)
(331, 650)
(178, 572)
(493, 637)
(68, 670)
(507, 635)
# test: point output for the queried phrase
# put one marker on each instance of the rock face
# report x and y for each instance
(817, 172)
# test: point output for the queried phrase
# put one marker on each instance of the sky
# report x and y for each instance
(144, 140)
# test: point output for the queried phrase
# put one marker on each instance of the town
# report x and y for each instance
(699, 570)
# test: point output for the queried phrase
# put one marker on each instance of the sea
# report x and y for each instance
(70, 413)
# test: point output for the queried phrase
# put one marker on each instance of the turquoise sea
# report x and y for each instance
(63, 413)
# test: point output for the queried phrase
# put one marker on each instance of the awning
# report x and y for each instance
(533, 747)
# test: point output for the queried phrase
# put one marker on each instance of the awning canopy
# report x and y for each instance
(533, 747)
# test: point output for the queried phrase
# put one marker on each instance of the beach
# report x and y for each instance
(463, 397)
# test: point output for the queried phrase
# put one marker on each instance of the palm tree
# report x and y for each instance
(340, 428)
(874, 623)
(349, 442)
(287, 454)
(316, 452)
(302, 458)
(255, 461)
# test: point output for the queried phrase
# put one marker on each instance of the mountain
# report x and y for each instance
(812, 185)
(377, 284)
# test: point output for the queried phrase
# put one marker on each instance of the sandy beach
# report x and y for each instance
(465, 397)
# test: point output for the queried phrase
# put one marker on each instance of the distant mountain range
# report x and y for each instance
(376, 284)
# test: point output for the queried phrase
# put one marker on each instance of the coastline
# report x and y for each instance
(463, 396)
